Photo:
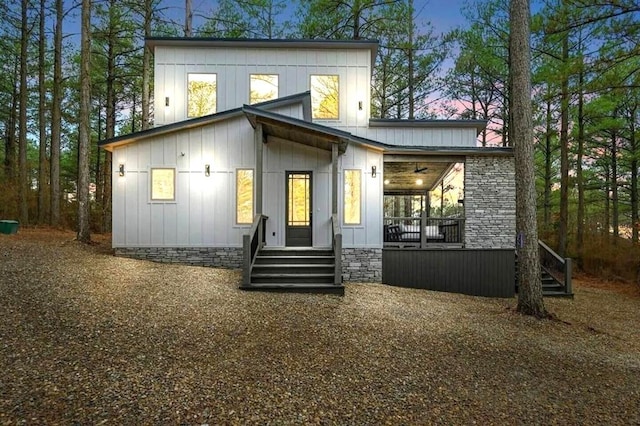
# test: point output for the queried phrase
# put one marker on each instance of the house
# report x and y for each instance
(264, 156)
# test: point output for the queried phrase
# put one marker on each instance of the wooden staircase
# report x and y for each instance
(555, 273)
(300, 270)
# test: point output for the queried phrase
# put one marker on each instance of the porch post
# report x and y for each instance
(334, 179)
(258, 137)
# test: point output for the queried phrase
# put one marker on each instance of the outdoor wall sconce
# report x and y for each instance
(418, 182)
(166, 101)
(207, 170)
(373, 171)
(121, 169)
(387, 181)
(359, 105)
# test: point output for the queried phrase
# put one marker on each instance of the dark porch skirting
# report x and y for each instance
(477, 272)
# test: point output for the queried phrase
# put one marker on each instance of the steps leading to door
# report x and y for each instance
(307, 270)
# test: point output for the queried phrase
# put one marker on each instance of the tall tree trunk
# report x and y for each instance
(84, 233)
(607, 200)
(42, 116)
(146, 65)
(56, 117)
(615, 214)
(521, 134)
(579, 178)
(410, 59)
(635, 152)
(547, 166)
(563, 226)
(110, 128)
(11, 159)
(188, 19)
(23, 175)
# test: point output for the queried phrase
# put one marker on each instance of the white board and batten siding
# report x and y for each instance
(233, 68)
(203, 213)
(449, 136)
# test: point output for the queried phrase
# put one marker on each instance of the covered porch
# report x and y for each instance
(423, 201)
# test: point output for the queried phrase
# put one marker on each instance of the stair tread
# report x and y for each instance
(294, 265)
(310, 275)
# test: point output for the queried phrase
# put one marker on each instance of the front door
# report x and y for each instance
(299, 214)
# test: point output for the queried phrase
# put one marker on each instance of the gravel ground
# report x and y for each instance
(88, 338)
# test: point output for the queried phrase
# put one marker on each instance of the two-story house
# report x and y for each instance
(264, 156)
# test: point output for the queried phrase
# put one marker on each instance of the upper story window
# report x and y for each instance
(201, 96)
(263, 87)
(324, 97)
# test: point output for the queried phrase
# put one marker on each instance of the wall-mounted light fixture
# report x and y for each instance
(166, 101)
(373, 171)
(207, 170)
(419, 182)
(359, 105)
(387, 181)
(121, 169)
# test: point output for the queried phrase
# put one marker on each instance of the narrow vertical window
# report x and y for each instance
(263, 87)
(325, 97)
(352, 196)
(201, 96)
(244, 196)
(163, 184)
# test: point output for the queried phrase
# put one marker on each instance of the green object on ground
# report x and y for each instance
(9, 226)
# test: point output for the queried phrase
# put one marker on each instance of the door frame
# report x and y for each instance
(286, 208)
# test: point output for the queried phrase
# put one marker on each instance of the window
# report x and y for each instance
(163, 184)
(263, 87)
(201, 97)
(244, 196)
(324, 97)
(352, 196)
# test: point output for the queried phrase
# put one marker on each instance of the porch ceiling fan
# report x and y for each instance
(419, 170)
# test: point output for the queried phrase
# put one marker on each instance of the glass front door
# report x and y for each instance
(299, 210)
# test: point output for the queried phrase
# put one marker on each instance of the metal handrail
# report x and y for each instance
(550, 259)
(336, 245)
(251, 243)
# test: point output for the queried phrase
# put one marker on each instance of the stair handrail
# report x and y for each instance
(563, 265)
(251, 243)
(336, 245)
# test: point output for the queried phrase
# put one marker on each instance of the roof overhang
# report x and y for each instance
(110, 144)
(211, 42)
(478, 125)
(281, 127)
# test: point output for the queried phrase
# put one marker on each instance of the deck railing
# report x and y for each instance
(558, 267)
(336, 245)
(406, 231)
(251, 243)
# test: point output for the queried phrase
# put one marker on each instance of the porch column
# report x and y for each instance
(334, 179)
(258, 137)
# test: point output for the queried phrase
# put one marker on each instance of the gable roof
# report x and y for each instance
(303, 98)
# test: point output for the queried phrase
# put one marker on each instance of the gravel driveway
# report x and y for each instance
(88, 338)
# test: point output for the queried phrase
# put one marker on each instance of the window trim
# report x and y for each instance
(337, 117)
(189, 74)
(277, 76)
(253, 196)
(173, 200)
(344, 198)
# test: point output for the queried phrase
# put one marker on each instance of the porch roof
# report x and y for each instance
(300, 131)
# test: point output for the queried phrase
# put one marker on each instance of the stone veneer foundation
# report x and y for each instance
(222, 257)
(362, 265)
(490, 202)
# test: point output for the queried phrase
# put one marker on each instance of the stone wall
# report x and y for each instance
(223, 257)
(362, 265)
(490, 202)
